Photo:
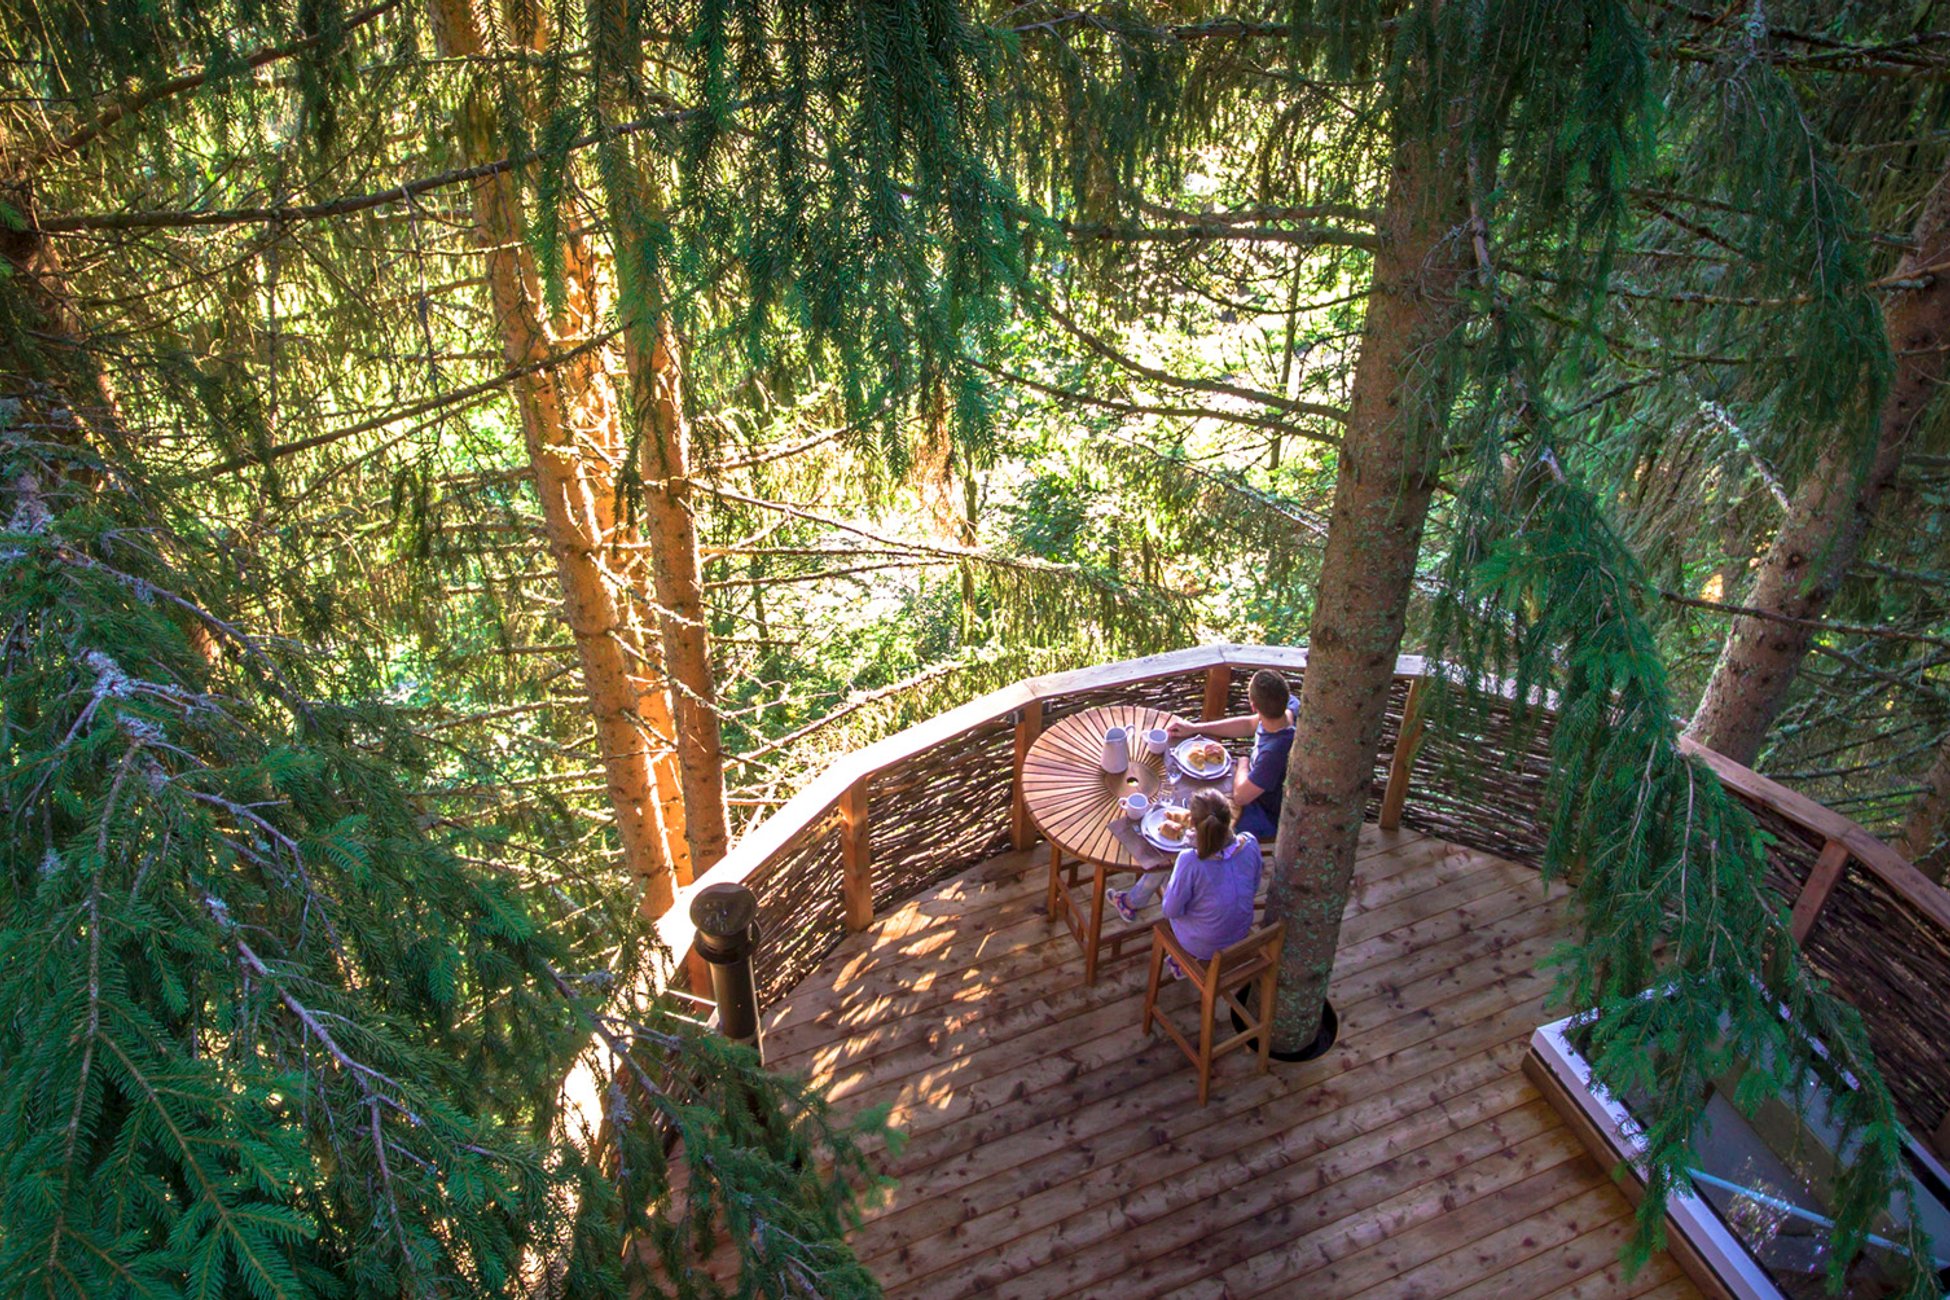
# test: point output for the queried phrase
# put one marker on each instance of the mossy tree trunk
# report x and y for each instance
(1382, 486)
(1831, 510)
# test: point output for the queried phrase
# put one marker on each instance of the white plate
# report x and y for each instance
(1210, 772)
(1154, 834)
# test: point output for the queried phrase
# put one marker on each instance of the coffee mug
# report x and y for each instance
(1136, 805)
(1157, 740)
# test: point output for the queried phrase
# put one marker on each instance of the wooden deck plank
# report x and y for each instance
(1410, 1268)
(1315, 1239)
(1090, 1252)
(1383, 1029)
(1024, 1187)
(979, 1147)
(1321, 1089)
(1586, 1264)
(1054, 1149)
(974, 1034)
(1181, 1165)
(1017, 963)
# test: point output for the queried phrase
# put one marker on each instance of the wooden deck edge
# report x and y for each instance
(1610, 1159)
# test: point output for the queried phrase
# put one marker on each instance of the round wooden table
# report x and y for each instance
(1072, 801)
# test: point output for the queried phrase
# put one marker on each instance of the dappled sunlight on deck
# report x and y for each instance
(1054, 1149)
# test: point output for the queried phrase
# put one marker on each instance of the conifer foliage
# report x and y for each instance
(310, 898)
(269, 1029)
(1685, 967)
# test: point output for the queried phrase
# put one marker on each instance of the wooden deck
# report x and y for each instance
(1054, 1150)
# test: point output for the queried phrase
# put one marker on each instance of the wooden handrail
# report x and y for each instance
(839, 792)
(1882, 861)
(821, 796)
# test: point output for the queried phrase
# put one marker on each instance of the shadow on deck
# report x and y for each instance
(1056, 1150)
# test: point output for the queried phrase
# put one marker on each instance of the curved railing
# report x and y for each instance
(886, 821)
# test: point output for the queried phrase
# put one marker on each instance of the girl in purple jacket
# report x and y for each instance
(1209, 899)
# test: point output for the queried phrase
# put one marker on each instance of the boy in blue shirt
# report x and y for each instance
(1257, 787)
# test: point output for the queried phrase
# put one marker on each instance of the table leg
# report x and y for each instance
(1055, 878)
(1100, 875)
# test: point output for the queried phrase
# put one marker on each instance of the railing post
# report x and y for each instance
(856, 881)
(727, 932)
(1029, 725)
(1821, 882)
(1402, 762)
(1218, 692)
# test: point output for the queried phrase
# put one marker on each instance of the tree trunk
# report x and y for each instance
(1287, 389)
(577, 505)
(1923, 826)
(1830, 512)
(599, 421)
(656, 380)
(654, 360)
(74, 399)
(1381, 498)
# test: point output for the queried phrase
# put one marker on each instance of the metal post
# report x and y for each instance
(727, 932)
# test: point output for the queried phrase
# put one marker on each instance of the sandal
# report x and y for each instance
(1120, 899)
(1172, 967)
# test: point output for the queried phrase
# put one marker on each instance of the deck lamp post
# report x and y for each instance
(727, 933)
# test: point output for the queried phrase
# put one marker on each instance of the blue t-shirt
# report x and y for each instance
(1268, 768)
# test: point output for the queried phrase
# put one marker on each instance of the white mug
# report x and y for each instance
(1117, 750)
(1156, 740)
(1136, 804)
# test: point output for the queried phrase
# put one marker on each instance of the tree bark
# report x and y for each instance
(1382, 486)
(654, 360)
(656, 379)
(1831, 510)
(604, 441)
(63, 382)
(1923, 825)
(577, 505)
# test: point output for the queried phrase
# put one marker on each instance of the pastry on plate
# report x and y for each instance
(1207, 753)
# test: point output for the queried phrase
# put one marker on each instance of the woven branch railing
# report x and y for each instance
(888, 820)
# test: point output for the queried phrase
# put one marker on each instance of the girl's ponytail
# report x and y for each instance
(1212, 822)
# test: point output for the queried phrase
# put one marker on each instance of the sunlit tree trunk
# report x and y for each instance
(1923, 824)
(654, 359)
(1381, 498)
(1830, 512)
(600, 424)
(577, 505)
(670, 534)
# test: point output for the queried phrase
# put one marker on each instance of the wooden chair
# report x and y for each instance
(1254, 958)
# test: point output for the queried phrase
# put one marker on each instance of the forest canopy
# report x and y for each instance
(461, 464)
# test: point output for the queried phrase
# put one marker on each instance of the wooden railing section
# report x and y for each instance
(889, 819)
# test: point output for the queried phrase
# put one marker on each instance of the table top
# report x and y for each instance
(1072, 799)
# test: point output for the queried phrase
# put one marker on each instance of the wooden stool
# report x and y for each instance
(1255, 957)
(1080, 905)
